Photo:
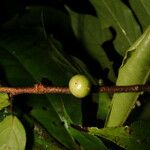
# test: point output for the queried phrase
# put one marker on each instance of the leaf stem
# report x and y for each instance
(41, 89)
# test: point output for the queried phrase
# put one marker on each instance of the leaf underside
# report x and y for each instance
(12, 134)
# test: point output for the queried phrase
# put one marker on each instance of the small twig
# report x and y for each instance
(119, 89)
(41, 89)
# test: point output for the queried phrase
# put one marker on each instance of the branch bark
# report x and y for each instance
(41, 89)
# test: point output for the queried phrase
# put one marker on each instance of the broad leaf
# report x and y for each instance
(134, 137)
(12, 134)
(89, 31)
(135, 69)
(118, 135)
(52, 123)
(117, 15)
(42, 140)
(87, 141)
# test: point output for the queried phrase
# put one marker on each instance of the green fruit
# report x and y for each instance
(79, 86)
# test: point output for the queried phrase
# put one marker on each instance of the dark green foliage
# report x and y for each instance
(50, 41)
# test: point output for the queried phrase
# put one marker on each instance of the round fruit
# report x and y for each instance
(79, 86)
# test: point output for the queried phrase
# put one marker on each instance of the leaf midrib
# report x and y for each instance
(117, 22)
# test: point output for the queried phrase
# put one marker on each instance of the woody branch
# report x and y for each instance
(41, 89)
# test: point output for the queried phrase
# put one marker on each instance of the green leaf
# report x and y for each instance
(117, 15)
(42, 140)
(4, 100)
(89, 31)
(118, 135)
(54, 126)
(134, 137)
(12, 134)
(103, 105)
(135, 69)
(87, 141)
(141, 133)
(142, 11)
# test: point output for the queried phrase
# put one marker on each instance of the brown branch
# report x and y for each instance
(41, 89)
(119, 89)
(36, 89)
